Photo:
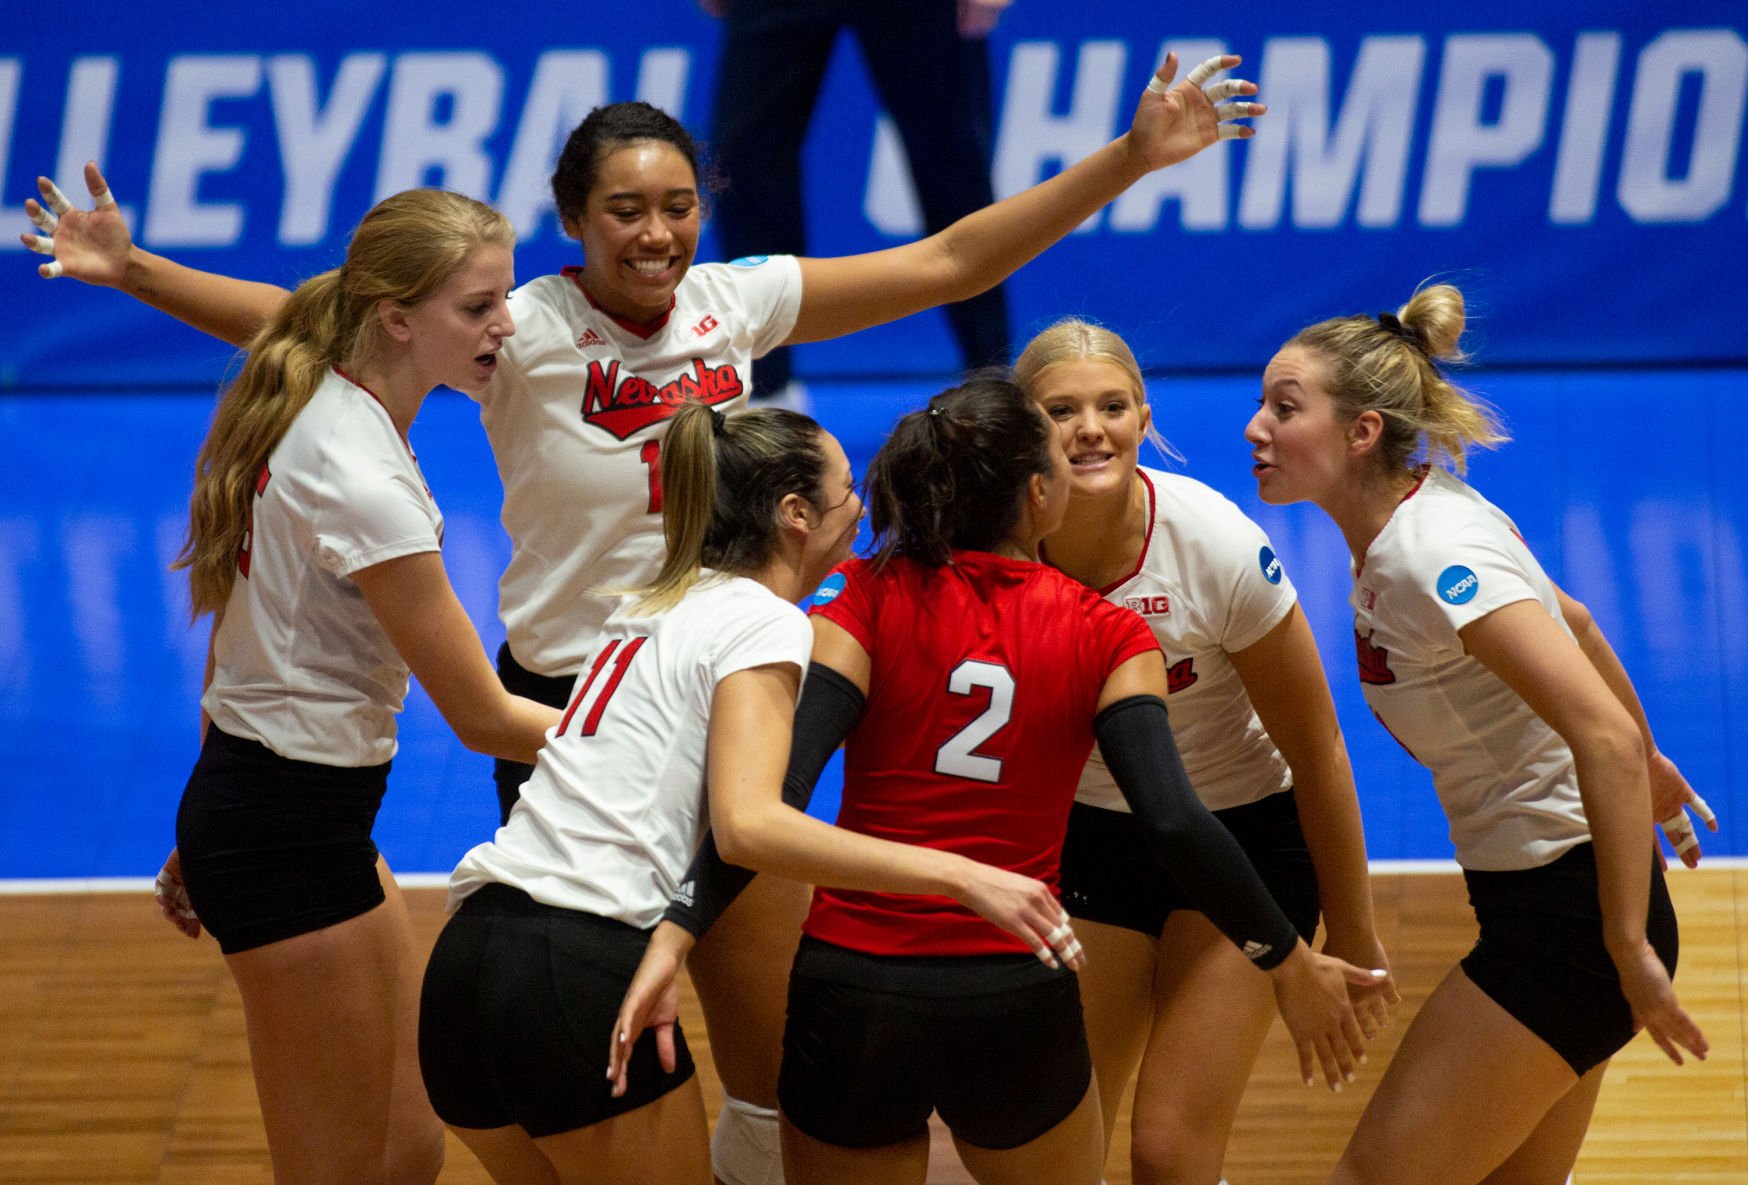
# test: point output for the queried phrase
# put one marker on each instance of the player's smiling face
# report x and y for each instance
(639, 229)
(457, 331)
(1298, 445)
(1100, 418)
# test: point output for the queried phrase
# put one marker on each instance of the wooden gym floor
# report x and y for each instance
(122, 1058)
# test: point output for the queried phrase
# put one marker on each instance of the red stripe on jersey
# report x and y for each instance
(600, 661)
(593, 719)
(640, 329)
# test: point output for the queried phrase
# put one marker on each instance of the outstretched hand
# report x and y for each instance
(1645, 983)
(1173, 123)
(90, 245)
(651, 1002)
(1311, 992)
(1026, 908)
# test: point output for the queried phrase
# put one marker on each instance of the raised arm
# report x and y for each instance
(1523, 645)
(1284, 678)
(1172, 123)
(1670, 793)
(412, 598)
(95, 246)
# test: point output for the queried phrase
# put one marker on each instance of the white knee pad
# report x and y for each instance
(745, 1148)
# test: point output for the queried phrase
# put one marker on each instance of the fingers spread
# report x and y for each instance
(43, 220)
(52, 196)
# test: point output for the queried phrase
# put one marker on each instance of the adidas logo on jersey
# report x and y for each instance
(590, 339)
(687, 893)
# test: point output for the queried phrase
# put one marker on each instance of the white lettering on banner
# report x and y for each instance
(567, 85)
(314, 140)
(189, 146)
(890, 201)
(1460, 142)
(1030, 135)
(415, 144)
(1647, 192)
(1376, 126)
(1584, 131)
(85, 127)
(1200, 184)
(11, 74)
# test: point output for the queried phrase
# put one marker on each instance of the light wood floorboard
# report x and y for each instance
(122, 1058)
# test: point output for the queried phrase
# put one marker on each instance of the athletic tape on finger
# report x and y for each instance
(100, 200)
(1156, 86)
(1236, 111)
(1699, 807)
(1679, 831)
(56, 200)
(1235, 131)
(42, 218)
(52, 270)
(1206, 70)
(1224, 89)
(41, 244)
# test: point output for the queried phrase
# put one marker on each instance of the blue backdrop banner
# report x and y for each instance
(1576, 168)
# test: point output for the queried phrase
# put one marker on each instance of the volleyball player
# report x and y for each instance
(1505, 689)
(313, 542)
(1254, 721)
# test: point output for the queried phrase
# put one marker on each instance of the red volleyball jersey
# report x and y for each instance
(986, 678)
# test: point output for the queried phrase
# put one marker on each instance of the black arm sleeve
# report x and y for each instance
(1201, 855)
(829, 708)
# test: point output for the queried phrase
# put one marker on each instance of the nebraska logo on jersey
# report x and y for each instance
(1148, 606)
(624, 405)
(1374, 662)
(590, 339)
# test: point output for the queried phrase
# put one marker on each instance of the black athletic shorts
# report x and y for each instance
(874, 1043)
(271, 847)
(1109, 876)
(517, 1011)
(1541, 955)
(552, 690)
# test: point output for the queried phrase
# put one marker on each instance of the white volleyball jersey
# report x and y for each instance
(576, 416)
(616, 806)
(300, 662)
(1208, 583)
(1446, 558)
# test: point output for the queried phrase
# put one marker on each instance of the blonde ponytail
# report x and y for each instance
(1387, 364)
(403, 250)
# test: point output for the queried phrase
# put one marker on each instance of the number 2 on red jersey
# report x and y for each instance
(959, 757)
(621, 657)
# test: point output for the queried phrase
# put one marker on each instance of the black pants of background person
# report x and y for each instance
(933, 83)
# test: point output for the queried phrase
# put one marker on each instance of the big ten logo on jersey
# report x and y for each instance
(623, 404)
(1374, 661)
(1156, 606)
(1180, 676)
(245, 551)
(703, 328)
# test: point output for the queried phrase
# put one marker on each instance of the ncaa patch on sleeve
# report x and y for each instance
(829, 589)
(1457, 585)
(1271, 565)
(748, 261)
